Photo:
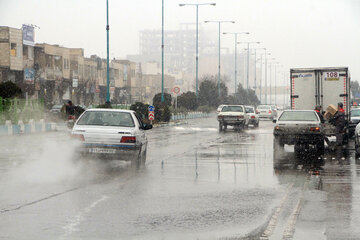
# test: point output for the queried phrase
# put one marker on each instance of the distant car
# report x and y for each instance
(267, 111)
(111, 133)
(253, 116)
(56, 108)
(232, 115)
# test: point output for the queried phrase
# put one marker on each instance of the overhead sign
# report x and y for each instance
(151, 108)
(28, 35)
(151, 116)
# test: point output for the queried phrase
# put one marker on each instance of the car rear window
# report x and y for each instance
(107, 118)
(298, 116)
(249, 110)
(355, 113)
(232, 109)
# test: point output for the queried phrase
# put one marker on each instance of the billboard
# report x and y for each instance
(29, 75)
(28, 35)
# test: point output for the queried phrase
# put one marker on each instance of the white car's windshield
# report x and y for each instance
(298, 116)
(232, 109)
(106, 118)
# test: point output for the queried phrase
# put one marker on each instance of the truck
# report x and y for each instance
(310, 87)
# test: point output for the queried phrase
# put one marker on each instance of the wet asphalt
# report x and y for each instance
(196, 183)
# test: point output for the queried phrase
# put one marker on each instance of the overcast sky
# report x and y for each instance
(298, 33)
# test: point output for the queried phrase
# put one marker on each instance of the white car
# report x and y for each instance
(253, 116)
(232, 115)
(267, 111)
(111, 133)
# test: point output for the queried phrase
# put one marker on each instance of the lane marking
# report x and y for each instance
(38, 201)
(290, 226)
(80, 217)
(274, 218)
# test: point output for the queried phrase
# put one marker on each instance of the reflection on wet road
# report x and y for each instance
(197, 183)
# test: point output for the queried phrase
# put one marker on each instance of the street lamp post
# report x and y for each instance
(255, 86)
(219, 22)
(266, 84)
(197, 38)
(276, 80)
(248, 61)
(261, 77)
(235, 34)
(270, 81)
(162, 52)
(107, 54)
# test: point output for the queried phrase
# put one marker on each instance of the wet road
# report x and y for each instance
(197, 183)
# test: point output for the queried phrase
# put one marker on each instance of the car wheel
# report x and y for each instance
(141, 158)
(257, 124)
(320, 147)
(220, 127)
(278, 148)
(225, 126)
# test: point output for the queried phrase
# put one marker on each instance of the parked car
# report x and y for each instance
(267, 111)
(232, 115)
(253, 116)
(111, 133)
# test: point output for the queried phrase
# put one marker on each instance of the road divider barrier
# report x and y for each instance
(10, 129)
(190, 115)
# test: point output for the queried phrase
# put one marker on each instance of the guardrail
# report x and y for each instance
(10, 129)
(190, 115)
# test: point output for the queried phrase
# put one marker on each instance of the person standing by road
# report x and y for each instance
(338, 120)
(318, 111)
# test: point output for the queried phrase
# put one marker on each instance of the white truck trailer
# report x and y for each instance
(310, 87)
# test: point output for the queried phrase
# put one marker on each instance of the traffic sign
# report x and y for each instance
(176, 90)
(151, 115)
(151, 108)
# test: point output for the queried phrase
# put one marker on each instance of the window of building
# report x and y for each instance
(13, 49)
(25, 52)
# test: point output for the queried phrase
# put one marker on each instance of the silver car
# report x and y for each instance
(253, 116)
(111, 133)
(267, 111)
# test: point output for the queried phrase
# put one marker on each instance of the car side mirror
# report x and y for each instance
(147, 126)
(274, 120)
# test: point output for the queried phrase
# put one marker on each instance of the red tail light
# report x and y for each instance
(315, 129)
(252, 116)
(128, 139)
(78, 136)
(270, 111)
